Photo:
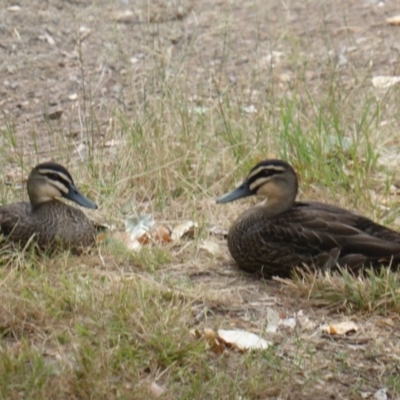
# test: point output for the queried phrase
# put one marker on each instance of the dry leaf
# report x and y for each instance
(217, 346)
(144, 238)
(50, 40)
(14, 8)
(251, 109)
(393, 20)
(273, 320)
(209, 333)
(341, 328)
(242, 340)
(101, 237)
(304, 321)
(212, 247)
(217, 231)
(125, 17)
(198, 110)
(126, 239)
(84, 32)
(161, 234)
(113, 143)
(289, 322)
(139, 231)
(136, 232)
(156, 390)
(183, 229)
(385, 82)
(196, 333)
(381, 394)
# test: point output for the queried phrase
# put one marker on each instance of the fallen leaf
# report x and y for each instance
(340, 328)
(251, 109)
(242, 340)
(209, 333)
(126, 239)
(217, 231)
(156, 390)
(14, 8)
(196, 333)
(216, 345)
(136, 232)
(273, 320)
(182, 229)
(139, 231)
(381, 394)
(212, 339)
(101, 237)
(50, 40)
(272, 59)
(198, 110)
(285, 78)
(161, 234)
(125, 17)
(385, 82)
(304, 321)
(212, 247)
(393, 20)
(289, 322)
(112, 143)
(84, 32)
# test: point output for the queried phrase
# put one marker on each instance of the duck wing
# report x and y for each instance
(312, 234)
(320, 227)
(12, 214)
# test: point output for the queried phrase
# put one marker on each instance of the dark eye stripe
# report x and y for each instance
(56, 176)
(264, 172)
(51, 167)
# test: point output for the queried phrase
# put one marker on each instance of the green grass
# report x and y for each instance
(373, 292)
(73, 328)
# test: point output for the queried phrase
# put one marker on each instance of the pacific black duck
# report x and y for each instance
(279, 234)
(48, 222)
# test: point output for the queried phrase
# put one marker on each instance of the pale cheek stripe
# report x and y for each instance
(62, 188)
(258, 183)
(51, 171)
(266, 168)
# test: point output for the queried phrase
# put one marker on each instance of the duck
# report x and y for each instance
(45, 220)
(281, 234)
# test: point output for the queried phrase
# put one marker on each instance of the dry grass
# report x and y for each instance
(173, 106)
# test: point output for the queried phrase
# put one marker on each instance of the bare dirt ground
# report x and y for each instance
(68, 65)
(42, 62)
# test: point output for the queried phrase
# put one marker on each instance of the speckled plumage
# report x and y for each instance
(272, 240)
(51, 223)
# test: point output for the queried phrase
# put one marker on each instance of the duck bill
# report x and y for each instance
(238, 193)
(75, 195)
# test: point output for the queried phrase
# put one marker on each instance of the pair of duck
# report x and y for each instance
(270, 239)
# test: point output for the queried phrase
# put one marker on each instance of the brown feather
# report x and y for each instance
(275, 237)
(48, 222)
